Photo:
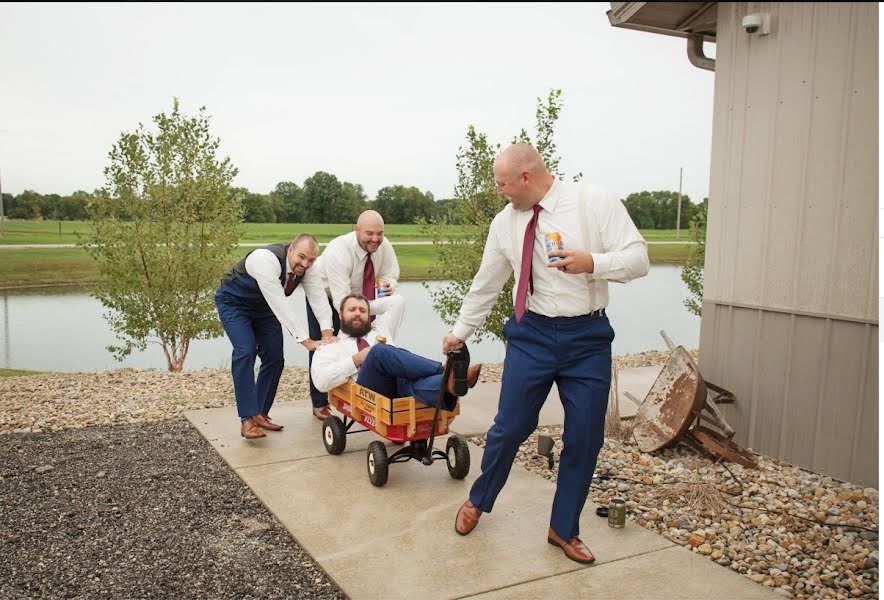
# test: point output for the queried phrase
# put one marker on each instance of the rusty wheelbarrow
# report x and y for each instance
(677, 403)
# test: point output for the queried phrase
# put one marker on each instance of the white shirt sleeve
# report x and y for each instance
(489, 281)
(390, 270)
(314, 290)
(332, 365)
(263, 265)
(626, 255)
(337, 262)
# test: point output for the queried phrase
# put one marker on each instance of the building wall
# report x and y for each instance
(790, 310)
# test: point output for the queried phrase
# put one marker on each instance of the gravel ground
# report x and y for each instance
(69, 501)
(139, 511)
(780, 526)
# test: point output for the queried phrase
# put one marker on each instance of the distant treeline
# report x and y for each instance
(324, 199)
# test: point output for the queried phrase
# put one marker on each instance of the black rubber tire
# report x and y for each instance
(457, 456)
(377, 463)
(334, 436)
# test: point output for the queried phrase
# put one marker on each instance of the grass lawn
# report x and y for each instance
(63, 266)
(71, 232)
(18, 372)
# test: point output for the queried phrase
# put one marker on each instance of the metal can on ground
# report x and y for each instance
(617, 513)
(553, 242)
(379, 284)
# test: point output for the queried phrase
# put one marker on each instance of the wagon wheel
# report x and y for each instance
(457, 455)
(378, 463)
(334, 436)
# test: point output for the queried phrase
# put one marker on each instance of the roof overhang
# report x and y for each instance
(679, 19)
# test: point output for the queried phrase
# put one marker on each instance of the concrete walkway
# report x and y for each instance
(398, 541)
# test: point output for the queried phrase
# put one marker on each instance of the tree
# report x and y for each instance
(477, 202)
(257, 208)
(321, 192)
(400, 204)
(692, 271)
(164, 228)
(351, 203)
(659, 210)
(292, 197)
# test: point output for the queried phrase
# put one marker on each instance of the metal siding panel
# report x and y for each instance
(865, 455)
(752, 194)
(806, 369)
(839, 398)
(740, 353)
(774, 346)
(816, 267)
(717, 360)
(856, 250)
(793, 34)
(719, 217)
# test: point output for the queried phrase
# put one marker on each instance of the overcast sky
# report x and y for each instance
(376, 94)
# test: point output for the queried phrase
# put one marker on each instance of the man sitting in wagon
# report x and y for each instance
(380, 366)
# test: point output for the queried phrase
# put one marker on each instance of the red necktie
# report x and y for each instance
(290, 284)
(368, 279)
(361, 344)
(525, 275)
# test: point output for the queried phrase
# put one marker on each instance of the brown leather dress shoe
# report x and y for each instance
(322, 413)
(264, 422)
(467, 518)
(250, 430)
(576, 550)
(472, 378)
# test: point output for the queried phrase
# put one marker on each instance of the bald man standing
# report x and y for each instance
(559, 332)
(352, 264)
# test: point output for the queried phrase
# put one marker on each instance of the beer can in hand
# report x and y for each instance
(379, 283)
(381, 339)
(617, 513)
(553, 242)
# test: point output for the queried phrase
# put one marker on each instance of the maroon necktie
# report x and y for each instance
(525, 275)
(361, 344)
(368, 279)
(290, 284)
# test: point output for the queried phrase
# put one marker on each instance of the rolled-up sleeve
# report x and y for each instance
(264, 267)
(489, 281)
(626, 252)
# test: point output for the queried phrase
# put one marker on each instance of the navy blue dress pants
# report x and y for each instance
(254, 332)
(319, 399)
(397, 373)
(575, 354)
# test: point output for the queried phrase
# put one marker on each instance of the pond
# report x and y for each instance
(64, 330)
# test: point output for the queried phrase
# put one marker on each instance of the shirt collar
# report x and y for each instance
(360, 253)
(551, 199)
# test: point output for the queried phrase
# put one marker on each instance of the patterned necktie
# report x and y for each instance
(525, 275)
(368, 281)
(361, 344)
(290, 284)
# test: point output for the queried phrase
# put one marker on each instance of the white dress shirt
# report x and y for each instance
(263, 265)
(333, 363)
(618, 251)
(343, 264)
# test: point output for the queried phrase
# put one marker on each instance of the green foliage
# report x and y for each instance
(327, 200)
(163, 230)
(291, 196)
(257, 208)
(477, 204)
(659, 210)
(401, 205)
(692, 271)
